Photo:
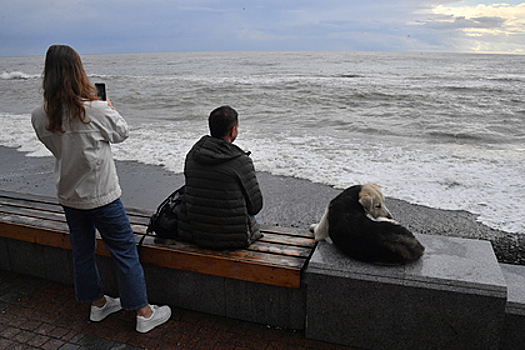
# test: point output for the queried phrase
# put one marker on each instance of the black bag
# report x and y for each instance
(165, 221)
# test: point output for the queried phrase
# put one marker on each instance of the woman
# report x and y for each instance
(77, 127)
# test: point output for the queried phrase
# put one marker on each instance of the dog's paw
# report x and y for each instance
(312, 227)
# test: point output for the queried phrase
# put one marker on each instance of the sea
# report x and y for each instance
(444, 130)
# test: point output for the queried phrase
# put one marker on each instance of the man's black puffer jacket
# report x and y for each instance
(222, 196)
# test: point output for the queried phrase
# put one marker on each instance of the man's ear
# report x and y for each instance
(233, 134)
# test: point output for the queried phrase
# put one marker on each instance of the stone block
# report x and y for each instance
(26, 258)
(184, 289)
(265, 304)
(227, 297)
(59, 265)
(514, 331)
(452, 298)
(4, 255)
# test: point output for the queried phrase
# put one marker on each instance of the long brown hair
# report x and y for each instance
(66, 86)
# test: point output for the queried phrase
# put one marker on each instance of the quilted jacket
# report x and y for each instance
(222, 196)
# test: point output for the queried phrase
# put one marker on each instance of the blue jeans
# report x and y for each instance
(113, 225)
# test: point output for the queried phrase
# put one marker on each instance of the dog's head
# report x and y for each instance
(373, 201)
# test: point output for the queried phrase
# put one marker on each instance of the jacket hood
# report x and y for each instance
(210, 150)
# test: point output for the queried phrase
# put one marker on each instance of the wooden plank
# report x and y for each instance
(258, 246)
(221, 266)
(28, 196)
(139, 212)
(288, 240)
(42, 210)
(23, 203)
(49, 237)
(53, 201)
(35, 222)
(278, 249)
(261, 247)
(291, 231)
(32, 213)
(254, 256)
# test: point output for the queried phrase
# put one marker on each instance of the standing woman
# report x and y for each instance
(77, 127)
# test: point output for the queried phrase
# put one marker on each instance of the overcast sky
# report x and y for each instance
(28, 27)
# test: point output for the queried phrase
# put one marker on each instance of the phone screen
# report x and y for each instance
(101, 90)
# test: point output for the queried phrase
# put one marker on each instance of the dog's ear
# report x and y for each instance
(375, 189)
(366, 202)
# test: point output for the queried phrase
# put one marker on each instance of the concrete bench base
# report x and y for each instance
(513, 336)
(452, 298)
(237, 299)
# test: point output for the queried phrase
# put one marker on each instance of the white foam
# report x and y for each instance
(18, 76)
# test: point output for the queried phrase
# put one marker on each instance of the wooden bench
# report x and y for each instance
(277, 259)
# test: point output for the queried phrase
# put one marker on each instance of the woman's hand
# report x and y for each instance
(109, 104)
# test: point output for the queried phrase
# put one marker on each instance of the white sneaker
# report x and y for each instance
(99, 313)
(159, 315)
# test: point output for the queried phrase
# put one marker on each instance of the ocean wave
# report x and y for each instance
(16, 75)
(102, 76)
(466, 137)
(349, 76)
(507, 79)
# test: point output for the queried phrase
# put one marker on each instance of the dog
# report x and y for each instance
(360, 225)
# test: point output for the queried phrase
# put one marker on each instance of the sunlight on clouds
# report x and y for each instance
(485, 23)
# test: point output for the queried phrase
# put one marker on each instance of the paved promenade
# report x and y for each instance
(39, 314)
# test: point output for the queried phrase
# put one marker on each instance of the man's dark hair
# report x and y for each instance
(221, 121)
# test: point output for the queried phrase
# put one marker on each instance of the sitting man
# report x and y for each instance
(222, 193)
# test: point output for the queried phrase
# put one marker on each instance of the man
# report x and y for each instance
(222, 193)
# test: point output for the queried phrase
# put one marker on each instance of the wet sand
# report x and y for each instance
(287, 201)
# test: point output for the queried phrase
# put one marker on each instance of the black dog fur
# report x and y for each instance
(367, 240)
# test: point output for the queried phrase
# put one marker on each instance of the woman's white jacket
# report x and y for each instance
(85, 173)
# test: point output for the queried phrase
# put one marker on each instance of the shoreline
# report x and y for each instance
(287, 201)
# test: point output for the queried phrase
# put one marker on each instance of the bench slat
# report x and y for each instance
(31, 213)
(13, 203)
(223, 265)
(28, 196)
(271, 255)
(261, 246)
(287, 240)
(43, 210)
(52, 201)
(287, 231)
(276, 247)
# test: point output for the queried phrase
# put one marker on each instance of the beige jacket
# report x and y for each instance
(85, 173)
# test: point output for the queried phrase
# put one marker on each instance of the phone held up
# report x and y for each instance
(101, 91)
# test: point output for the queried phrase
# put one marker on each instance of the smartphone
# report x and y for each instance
(101, 91)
